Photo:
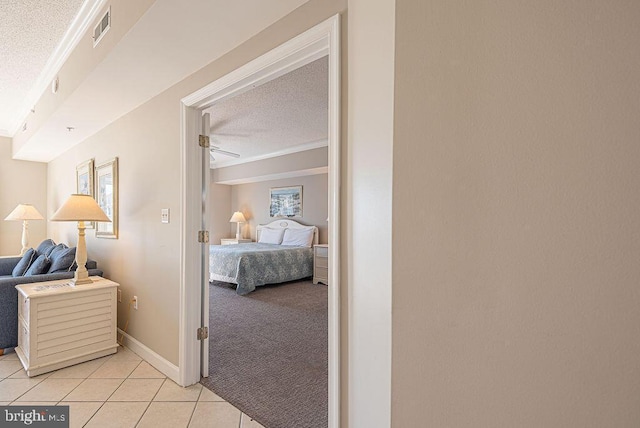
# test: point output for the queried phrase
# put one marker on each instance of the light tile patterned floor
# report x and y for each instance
(121, 390)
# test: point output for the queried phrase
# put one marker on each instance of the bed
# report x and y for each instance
(254, 264)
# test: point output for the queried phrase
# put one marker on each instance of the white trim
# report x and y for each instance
(277, 176)
(321, 40)
(86, 15)
(162, 364)
(289, 150)
(190, 220)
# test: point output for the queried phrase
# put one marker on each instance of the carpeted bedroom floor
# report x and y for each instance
(268, 352)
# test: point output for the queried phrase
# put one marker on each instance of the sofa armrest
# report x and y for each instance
(7, 264)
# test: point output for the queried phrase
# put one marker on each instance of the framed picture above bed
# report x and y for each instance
(285, 201)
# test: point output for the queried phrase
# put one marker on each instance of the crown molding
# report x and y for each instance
(81, 22)
(287, 151)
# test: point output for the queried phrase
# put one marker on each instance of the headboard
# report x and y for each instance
(287, 224)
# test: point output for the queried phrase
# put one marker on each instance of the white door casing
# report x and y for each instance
(204, 268)
(317, 42)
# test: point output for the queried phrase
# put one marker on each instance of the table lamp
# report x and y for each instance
(237, 218)
(24, 212)
(80, 208)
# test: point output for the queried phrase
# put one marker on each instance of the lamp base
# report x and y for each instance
(81, 276)
(85, 281)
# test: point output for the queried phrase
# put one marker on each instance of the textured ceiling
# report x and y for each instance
(289, 111)
(29, 32)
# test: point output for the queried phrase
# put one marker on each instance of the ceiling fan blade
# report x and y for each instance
(224, 152)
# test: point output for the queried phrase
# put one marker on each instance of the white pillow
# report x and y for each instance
(298, 237)
(270, 236)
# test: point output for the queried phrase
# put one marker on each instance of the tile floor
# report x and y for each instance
(121, 390)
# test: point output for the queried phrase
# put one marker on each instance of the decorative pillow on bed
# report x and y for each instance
(271, 236)
(298, 237)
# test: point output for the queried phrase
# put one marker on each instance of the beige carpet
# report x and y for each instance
(268, 352)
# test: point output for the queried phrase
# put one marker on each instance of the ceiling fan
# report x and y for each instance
(216, 149)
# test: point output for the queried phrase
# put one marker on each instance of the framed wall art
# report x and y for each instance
(106, 188)
(84, 183)
(285, 201)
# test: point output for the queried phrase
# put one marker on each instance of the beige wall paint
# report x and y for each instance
(21, 182)
(145, 259)
(81, 62)
(220, 212)
(253, 200)
(516, 227)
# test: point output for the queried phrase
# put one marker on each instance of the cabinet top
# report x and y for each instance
(47, 288)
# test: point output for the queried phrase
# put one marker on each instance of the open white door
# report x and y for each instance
(204, 283)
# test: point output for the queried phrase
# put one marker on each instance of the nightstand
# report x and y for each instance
(233, 241)
(60, 325)
(321, 264)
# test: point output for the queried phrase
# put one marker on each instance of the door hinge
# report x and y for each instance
(203, 236)
(203, 333)
(203, 141)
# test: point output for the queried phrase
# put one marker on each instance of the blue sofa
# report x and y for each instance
(9, 294)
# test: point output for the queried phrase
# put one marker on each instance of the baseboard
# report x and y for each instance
(160, 363)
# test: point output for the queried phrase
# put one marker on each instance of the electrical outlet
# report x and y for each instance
(119, 295)
(135, 302)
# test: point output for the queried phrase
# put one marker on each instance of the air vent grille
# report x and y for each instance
(102, 27)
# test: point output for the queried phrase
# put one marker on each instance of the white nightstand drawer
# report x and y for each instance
(321, 273)
(322, 251)
(322, 262)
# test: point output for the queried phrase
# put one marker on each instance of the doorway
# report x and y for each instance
(321, 40)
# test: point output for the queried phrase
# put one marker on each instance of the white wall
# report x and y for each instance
(21, 182)
(253, 201)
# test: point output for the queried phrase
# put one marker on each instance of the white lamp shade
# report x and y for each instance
(24, 212)
(237, 217)
(80, 208)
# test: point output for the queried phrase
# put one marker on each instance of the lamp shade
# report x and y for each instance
(24, 212)
(237, 217)
(80, 208)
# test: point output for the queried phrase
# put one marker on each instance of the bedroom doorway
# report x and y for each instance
(320, 41)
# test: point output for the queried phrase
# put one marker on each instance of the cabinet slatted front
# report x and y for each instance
(61, 325)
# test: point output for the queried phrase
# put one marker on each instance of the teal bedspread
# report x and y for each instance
(254, 264)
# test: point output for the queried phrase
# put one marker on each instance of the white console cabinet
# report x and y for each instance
(60, 324)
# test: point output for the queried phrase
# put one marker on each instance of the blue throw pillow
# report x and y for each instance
(40, 266)
(46, 247)
(62, 259)
(24, 263)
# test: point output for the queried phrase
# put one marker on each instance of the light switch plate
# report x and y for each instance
(164, 215)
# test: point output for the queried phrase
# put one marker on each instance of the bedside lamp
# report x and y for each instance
(24, 212)
(237, 218)
(80, 208)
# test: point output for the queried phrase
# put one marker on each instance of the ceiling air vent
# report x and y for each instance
(102, 27)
